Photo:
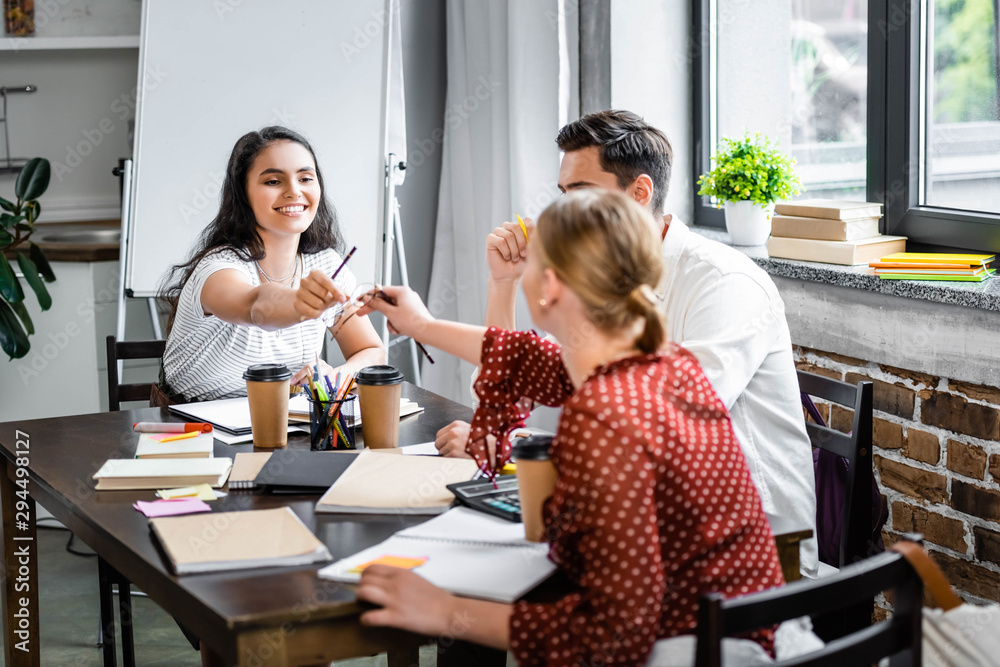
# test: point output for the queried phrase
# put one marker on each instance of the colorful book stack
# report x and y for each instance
(933, 266)
(831, 231)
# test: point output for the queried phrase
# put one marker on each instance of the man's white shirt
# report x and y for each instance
(726, 310)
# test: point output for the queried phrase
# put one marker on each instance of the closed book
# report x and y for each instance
(932, 276)
(246, 466)
(298, 471)
(939, 258)
(384, 482)
(464, 551)
(151, 446)
(929, 269)
(847, 253)
(222, 541)
(823, 229)
(833, 209)
(132, 474)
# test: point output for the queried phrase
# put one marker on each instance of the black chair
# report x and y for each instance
(856, 539)
(140, 349)
(108, 576)
(898, 638)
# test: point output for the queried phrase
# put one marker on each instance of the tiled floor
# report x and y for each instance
(69, 612)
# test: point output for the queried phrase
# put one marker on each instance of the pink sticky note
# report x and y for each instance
(171, 507)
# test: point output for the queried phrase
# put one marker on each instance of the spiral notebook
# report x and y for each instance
(464, 551)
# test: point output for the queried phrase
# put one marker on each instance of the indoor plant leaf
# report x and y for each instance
(6, 219)
(33, 179)
(5, 238)
(7, 205)
(44, 268)
(13, 340)
(30, 272)
(34, 209)
(22, 312)
(10, 286)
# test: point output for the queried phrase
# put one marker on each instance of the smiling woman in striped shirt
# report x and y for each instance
(257, 287)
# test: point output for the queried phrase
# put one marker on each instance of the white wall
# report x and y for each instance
(651, 75)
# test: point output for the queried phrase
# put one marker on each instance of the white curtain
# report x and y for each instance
(509, 91)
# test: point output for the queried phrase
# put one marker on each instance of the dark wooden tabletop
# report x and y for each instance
(65, 453)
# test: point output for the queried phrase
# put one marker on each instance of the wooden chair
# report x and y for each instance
(856, 541)
(898, 638)
(140, 349)
(108, 576)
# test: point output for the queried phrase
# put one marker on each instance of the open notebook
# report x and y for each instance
(467, 552)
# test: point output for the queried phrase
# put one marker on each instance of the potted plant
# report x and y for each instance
(17, 224)
(750, 174)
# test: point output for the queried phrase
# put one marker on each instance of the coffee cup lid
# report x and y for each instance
(532, 448)
(379, 375)
(267, 373)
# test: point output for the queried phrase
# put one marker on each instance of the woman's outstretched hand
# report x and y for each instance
(405, 312)
(316, 293)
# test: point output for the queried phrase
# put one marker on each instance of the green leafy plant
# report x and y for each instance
(750, 169)
(17, 224)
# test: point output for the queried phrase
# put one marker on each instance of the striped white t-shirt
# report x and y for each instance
(205, 356)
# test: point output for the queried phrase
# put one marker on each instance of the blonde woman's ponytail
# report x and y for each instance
(643, 302)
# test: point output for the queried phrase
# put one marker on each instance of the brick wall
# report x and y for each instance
(937, 462)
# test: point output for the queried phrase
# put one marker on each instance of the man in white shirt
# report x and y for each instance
(718, 304)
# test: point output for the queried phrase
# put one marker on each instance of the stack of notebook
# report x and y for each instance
(933, 266)
(831, 231)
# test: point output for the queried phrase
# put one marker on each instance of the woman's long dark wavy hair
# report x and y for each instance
(235, 226)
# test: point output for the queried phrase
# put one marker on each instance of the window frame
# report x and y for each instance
(894, 88)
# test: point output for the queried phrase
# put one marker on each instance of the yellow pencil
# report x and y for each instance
(524, 229)
(182, 436)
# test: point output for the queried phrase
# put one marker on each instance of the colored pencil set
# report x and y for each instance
(326, 416)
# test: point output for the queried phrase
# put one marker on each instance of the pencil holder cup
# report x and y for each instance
(331, 423)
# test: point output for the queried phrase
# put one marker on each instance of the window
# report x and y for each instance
(886, 100)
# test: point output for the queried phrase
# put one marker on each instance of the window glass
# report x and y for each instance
(805, 85)
(961, 121)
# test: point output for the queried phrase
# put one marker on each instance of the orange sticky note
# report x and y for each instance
(405, 562)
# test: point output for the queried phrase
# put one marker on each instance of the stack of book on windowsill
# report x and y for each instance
(933, 266)
(831, 231)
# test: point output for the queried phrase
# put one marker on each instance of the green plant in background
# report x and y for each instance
(750, 169)
(17, 224)
(964, 72)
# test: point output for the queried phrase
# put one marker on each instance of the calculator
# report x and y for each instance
(479, 494)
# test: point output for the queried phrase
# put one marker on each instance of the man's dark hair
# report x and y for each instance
(628, 147)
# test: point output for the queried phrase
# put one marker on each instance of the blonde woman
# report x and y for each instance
(653, 505)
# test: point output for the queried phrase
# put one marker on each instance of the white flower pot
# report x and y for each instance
(748, 223)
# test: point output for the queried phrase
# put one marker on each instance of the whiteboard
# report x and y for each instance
(209, 72)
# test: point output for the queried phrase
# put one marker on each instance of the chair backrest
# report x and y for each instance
(139, 349)
(857, 449)
(898, 638)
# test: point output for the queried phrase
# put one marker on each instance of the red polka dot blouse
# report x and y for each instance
(653, 506)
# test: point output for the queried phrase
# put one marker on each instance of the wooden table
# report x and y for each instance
(273, 616)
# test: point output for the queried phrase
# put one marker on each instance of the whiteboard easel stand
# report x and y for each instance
(125, 174)
(392, 240)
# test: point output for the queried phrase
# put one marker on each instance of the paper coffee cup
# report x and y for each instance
(379, 390)
(267, 390)
(536, 479)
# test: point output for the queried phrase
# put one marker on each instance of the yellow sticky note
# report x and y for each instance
(201, 491)
(405, 562)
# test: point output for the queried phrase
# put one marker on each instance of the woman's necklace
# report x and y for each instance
(284, 279)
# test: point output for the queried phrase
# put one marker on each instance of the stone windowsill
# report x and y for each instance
(984, 295)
